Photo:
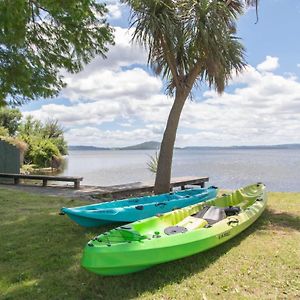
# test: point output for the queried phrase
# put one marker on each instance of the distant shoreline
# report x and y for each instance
(156, 146)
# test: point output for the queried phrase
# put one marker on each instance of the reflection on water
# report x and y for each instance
(278, 169)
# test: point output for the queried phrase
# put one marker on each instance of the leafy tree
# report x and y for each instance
(61, 145)
(10, 119)
(30, 127)
(39, 38)
(44, 141)
(53, 131)
(42, 152)
(189, 42)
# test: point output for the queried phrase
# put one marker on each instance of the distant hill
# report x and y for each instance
(152, 145)
(86, 148)
(283, 146)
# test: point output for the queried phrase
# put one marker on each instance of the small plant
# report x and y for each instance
(152, 164)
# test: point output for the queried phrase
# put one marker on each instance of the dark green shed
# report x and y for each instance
(9, 158)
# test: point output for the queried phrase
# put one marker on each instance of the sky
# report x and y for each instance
(119, 101)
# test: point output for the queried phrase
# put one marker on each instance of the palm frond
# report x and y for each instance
(153, 163)
(190, 40)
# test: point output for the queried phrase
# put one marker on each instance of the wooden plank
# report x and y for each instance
(117, 191)
(44, 178)
(182, 181)
(41, 177)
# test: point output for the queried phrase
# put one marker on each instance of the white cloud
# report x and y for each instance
(270, 64)
(122, 55)
(298, 65)
(145, 109)
(108, 84)
(261, 107)
(115, 11)
(109, 138)
(265, 110)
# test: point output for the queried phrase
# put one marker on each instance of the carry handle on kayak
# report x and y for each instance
(233, 221)
(160, 204)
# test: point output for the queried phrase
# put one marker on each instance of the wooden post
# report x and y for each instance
(77, 184)
(44, 182)
(16, 180)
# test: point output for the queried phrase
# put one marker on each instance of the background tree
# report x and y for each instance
(189, 42)
(44, 140)
(39, 38)
(42, 152)
(10, 119)
(53, 131)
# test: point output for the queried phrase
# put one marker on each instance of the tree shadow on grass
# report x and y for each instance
(54, 262)
(281, 219)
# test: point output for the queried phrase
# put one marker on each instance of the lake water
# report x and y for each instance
(230, 168)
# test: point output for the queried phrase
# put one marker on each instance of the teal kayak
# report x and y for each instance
(179, 233)
(133, 209)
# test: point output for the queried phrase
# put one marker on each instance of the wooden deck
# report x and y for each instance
(127, 189)
(43, 178)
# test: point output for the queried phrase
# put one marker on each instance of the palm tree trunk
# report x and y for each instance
(163, 174)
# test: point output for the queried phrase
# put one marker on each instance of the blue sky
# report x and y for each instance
(119, 102)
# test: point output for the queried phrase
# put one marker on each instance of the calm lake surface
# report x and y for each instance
(232, 168)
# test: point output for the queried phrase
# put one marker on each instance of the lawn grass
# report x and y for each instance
(40, 255)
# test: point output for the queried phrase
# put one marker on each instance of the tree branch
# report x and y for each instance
(171, 60)
(194, 73)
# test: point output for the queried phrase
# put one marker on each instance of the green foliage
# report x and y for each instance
(190, 41)
(42, 152)
(39, 38)
(3, 131)
(10, 119)
(45, 141)
(152, 164)
(54, 132)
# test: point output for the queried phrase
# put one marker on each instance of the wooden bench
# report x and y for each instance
(44, 178)
(183, 181)
(127, 190)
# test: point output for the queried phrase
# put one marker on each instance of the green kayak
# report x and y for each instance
(183, 232)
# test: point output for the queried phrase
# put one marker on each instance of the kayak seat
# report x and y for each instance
(187, 224)
(214, 214)
(191, 223)
(206, 217)
(211, 214)
(232, 210)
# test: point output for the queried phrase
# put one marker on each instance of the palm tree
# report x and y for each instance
(189, 42)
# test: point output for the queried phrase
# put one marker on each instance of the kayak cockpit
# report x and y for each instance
(205, 218)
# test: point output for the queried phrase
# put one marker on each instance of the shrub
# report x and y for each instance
(42, 152)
